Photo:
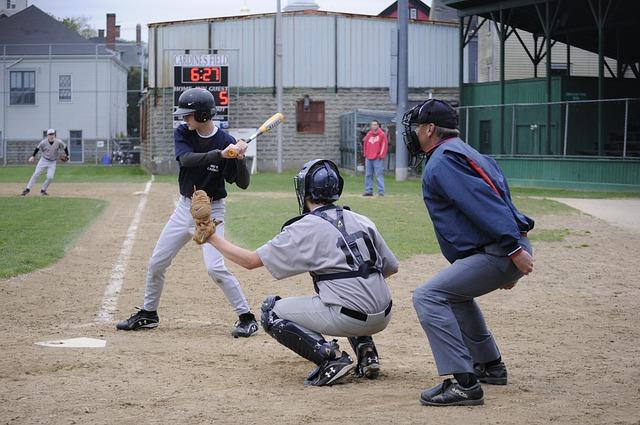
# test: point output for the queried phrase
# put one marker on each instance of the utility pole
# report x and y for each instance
(403, 76)
(278, 71)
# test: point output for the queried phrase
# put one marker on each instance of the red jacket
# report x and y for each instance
(375, 145)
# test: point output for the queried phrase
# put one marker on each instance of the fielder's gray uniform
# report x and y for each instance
(311, 244)
(50, 154)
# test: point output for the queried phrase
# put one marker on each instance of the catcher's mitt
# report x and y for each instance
(201, 213)
(64, 158)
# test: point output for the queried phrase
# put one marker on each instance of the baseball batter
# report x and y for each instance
(51, 148)
(201, 150)
(348, 261)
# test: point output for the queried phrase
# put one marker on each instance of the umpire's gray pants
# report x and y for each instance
(451, 318)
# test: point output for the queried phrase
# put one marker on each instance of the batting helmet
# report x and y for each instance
(196, 101)
(319, 180)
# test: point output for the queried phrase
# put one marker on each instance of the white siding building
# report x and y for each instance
(53, 78)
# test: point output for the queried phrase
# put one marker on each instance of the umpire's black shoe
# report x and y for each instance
(330, 371)
(493, 375)
(143, 319)
(450, 393)
(25, 192)
(245, 326)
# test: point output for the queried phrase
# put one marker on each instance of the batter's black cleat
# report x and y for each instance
(450, 393)
(245, 326)
(330, 371)
(25, 192)
(493, 375)
(44, 193)
(143, 319)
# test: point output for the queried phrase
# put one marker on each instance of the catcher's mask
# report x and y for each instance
(433, 111)
(196, 101)
(319, 180)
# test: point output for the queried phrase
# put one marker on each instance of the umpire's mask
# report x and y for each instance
(319, 180)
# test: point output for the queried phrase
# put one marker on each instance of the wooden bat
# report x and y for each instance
(269, 124)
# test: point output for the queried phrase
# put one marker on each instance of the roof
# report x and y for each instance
(394, 6)
(296, 13)
(31, 31)
(575, 22)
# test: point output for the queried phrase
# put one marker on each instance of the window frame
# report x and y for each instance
(20, 91)
(70, 89)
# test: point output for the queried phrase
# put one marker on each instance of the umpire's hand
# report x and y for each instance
(524, 262)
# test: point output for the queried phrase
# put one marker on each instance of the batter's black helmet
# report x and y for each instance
(196, 101)
(319, 180)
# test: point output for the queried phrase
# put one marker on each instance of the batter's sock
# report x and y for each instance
(466, 380)
(246, 317)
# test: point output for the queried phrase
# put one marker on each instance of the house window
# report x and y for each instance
(11, 4)
(310, 116)
(413, 13)
(22, 88)
(64, 88)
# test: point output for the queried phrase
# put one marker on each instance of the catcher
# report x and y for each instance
(50, 147)
(348, 261)
(202, 152)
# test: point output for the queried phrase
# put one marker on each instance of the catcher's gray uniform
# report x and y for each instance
(312, 244)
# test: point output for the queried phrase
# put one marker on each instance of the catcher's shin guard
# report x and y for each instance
(308, 344)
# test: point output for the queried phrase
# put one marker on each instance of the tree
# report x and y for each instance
(133, 96)
(79, 24)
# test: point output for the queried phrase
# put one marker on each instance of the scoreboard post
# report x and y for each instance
(210, 72)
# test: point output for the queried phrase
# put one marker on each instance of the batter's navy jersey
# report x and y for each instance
(209, 178)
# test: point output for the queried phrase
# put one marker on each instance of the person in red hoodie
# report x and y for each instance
(375, 149)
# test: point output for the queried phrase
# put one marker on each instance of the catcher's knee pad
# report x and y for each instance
(362, 344)
(302, 341)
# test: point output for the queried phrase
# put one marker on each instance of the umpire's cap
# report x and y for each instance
(438, 112)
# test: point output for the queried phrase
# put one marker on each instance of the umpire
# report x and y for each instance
(484, 237)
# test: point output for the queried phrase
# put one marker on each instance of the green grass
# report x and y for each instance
(77, 174)
(549, 235)
(35, 232)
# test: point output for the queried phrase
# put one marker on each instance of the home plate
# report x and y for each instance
(75, 343)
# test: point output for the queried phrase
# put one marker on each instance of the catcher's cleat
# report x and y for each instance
(245, 326)
(450, 393)
(330, 371)
(25, 192)
(44, 193)
(143, 319)
(493, 375)
(368, 366)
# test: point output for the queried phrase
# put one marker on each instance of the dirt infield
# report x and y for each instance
(570, 335)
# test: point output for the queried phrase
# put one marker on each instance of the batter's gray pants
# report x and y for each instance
(176, 233)
(51, 171)
(451, 318)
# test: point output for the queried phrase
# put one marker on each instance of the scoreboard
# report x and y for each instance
(210, 72)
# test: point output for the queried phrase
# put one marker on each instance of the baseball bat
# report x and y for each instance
(269, 124)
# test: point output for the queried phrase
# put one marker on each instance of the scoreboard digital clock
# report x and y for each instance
(209, 72)
(201, 74)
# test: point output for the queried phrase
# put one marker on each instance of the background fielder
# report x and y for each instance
(202, 152)
(50, 147)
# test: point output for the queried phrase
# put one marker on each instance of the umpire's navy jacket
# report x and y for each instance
(469, 202)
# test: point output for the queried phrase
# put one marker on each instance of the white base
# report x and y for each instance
(75, 343)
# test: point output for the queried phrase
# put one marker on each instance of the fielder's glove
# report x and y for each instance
(64, 158)
(201, 213)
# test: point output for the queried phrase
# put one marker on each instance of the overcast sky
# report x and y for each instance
(132, 12)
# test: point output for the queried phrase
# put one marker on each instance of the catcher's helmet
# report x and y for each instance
(319, 180)
(196, 101)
